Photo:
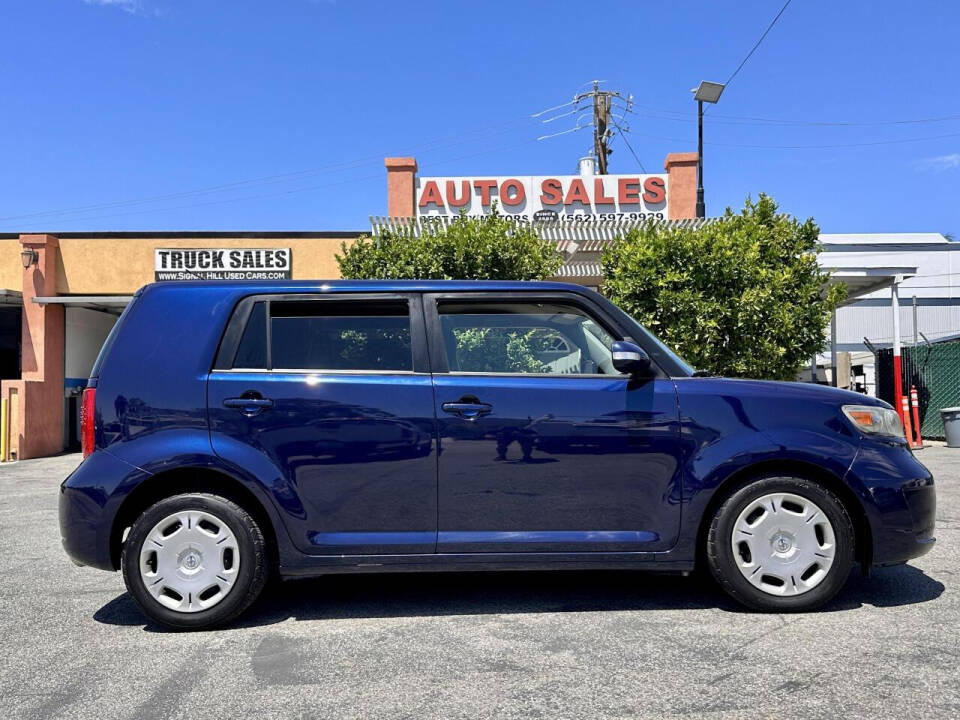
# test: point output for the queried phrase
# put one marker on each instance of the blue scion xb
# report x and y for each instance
(236, 430)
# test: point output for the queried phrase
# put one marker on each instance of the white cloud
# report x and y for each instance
(131, 6)
(940, 162)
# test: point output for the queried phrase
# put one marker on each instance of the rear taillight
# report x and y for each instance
(88, 404)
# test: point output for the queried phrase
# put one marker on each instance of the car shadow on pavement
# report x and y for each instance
(496, 593)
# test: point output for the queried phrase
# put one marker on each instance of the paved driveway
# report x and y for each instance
(524, 645)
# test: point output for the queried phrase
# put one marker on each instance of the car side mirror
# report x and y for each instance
(629, 358)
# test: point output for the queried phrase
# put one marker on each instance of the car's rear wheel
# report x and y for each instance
(781, 544)
(194, 561)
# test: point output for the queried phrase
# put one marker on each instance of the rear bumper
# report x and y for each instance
(84, 540)
(900, 499)
(88, 506)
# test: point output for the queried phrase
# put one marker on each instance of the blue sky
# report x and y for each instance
(276, 114)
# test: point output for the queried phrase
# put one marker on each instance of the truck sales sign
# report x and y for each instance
(221, 263)
(561, 197)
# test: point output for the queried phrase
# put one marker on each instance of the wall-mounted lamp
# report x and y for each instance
(29, 256)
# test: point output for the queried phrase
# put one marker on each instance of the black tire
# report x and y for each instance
(723, 565)
(253, 562)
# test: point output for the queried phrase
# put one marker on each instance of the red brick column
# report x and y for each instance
(37, 429)
(681, 185)
(401, 186)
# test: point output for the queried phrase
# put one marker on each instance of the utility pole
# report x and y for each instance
(601, 119)
(602, 105)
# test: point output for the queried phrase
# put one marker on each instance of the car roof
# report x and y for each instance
(281, 286)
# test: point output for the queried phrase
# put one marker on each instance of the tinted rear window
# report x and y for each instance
(327, 335)
(111, 338)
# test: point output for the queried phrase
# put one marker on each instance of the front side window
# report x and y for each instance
(350, 335)
(524, 338)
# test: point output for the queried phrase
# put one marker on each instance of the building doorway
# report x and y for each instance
(10, 320)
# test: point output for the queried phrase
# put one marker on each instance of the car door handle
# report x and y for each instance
(467, 410)
(249, 406)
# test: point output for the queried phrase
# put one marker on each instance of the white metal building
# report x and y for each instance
(934, 289)
(927, 266)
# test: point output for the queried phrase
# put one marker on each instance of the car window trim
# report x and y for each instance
(437, 347)
(322, 371)
(544, 376)
(233, 333)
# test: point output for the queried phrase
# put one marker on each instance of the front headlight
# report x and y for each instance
(874, 420)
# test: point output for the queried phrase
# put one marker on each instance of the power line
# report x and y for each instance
(601, 103)
(845, 145)
(842, 123)
(429, 146)
(227, 200)
(551, 109)
(757, 44)
(602, 100)
(266, 179)
(676, 115)
(809, 147)
(294, 190)
(623, 134)
(562, 132)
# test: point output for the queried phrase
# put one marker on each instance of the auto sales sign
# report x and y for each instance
(222, 263)
(560, 197)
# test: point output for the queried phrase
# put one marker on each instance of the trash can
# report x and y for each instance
(951, 426)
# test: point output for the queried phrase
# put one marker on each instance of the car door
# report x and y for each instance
(544, 447)
(328, 399)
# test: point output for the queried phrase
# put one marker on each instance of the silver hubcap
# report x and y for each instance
(783, 544)
(189, 561)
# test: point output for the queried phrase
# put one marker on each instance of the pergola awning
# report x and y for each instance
(863, 281)
(11, 297)
(113, 304)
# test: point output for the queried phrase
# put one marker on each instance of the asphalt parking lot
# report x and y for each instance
(505, 645)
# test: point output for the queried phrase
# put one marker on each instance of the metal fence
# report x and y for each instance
(935, 371)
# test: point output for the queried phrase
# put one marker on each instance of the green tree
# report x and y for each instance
(469, 248)
(498, 350)
(742, 297)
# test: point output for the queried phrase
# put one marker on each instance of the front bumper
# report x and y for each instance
(900, 500)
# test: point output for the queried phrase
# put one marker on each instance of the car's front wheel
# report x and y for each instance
(781, 544)
(194, 561)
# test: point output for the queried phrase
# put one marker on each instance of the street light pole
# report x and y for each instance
(701, 208)
(707, 92)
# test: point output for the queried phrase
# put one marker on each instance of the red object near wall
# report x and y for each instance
(905, 416)
(915, 407)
